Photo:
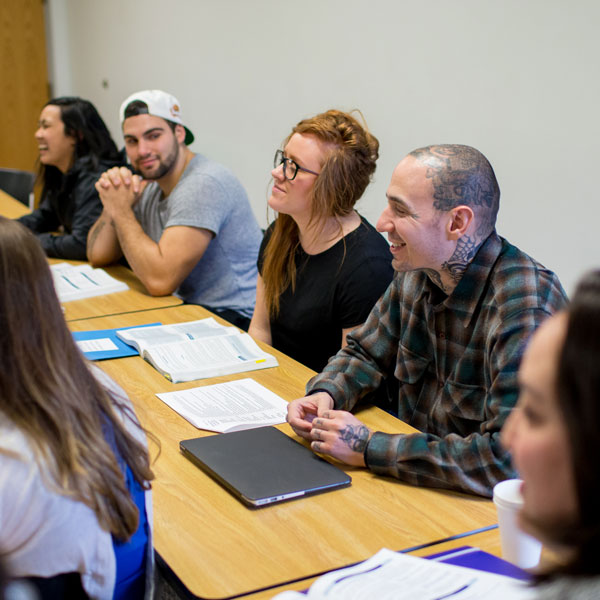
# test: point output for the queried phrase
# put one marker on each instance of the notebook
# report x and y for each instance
(263, 465)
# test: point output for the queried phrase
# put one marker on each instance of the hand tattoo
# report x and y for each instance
(355, 438)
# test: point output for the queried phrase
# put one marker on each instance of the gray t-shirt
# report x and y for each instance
(209, 196)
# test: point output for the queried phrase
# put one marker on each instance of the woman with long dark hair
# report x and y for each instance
(322, 266)
(553, 437)
(74, 466)
(75, 149)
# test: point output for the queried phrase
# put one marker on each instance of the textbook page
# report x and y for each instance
(147, 337)
(82, 281)
(231, 406)
(208, 357)
(394, 576)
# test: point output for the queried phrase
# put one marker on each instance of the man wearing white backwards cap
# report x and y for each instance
(183, 222)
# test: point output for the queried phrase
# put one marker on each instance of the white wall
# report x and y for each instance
(517, 79)
(59, 51)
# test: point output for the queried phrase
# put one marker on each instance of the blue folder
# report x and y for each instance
(122, 349)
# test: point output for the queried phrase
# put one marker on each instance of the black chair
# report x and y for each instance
(19, 184)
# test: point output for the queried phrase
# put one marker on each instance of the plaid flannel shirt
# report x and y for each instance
(449, 365)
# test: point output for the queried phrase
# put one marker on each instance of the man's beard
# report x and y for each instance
(164, 166)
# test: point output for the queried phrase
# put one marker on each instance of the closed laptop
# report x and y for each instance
(263, 465)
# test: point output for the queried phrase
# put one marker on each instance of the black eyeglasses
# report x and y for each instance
(290, 167)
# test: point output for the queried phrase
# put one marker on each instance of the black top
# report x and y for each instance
(72, 208)
(335, 290)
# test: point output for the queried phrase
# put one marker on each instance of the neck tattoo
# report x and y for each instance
(456, 265)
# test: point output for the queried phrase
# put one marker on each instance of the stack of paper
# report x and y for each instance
(82, 281)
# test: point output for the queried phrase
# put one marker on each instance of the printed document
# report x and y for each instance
(231, 406)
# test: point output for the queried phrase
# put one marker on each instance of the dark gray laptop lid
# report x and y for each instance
(263, 465)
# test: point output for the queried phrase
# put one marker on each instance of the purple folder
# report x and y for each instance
(474, 558)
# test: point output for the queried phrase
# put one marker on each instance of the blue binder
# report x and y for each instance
(122, 349)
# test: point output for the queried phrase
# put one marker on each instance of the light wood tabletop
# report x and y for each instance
(489, 541)
(217, 547)
(11, 208)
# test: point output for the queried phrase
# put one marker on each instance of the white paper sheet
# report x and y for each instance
(230, 406)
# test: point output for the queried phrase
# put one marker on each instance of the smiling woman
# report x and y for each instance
(322, 266)
(75, 148)
(56, 148)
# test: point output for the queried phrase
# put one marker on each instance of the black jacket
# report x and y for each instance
(72, 209)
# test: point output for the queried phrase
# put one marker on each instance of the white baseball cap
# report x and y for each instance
(160, 104)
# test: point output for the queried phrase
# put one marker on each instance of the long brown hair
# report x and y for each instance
(48, 391)
(344, 176)
(578, 387)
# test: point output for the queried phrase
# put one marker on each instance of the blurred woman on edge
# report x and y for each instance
(553, 437)
(75, 506)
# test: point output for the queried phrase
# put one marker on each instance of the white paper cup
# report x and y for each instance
(518, 547)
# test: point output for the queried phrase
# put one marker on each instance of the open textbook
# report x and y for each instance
(391, 575)
(197, 349)
(230, 406)
(82, 281)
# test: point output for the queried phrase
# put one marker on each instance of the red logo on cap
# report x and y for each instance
(175, 110)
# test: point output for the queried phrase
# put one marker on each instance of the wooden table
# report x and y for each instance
(11, 208)
(217, 547)
(489, 541)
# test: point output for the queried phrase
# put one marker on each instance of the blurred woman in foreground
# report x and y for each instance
(553, 438)
(74, 466)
